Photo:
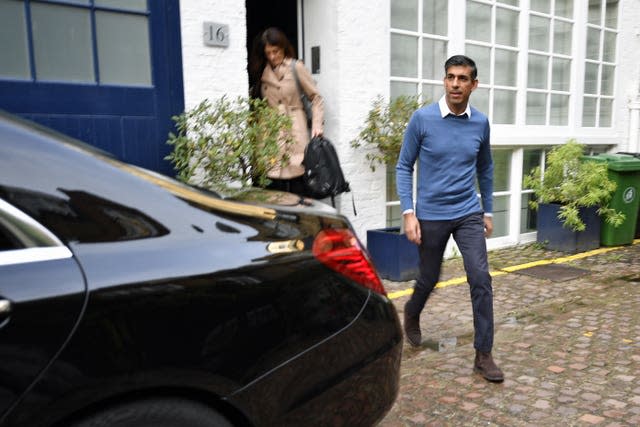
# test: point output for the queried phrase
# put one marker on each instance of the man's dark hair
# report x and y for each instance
(464, 61)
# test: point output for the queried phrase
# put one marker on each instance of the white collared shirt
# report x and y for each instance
(445, 111)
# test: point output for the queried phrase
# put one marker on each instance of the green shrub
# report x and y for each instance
(229, 146)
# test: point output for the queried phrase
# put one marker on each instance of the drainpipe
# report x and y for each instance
(634, 124)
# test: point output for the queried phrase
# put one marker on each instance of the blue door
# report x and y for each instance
(108, 72)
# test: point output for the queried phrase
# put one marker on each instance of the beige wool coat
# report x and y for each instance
(279, 89)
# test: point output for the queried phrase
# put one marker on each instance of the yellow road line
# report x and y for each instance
(507, 270)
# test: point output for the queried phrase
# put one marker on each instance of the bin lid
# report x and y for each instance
(617, 162)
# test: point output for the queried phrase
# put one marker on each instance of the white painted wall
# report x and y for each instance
(211, 72)
(353, 36)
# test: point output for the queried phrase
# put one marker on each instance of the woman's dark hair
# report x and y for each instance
(464, 61)
(272, 36)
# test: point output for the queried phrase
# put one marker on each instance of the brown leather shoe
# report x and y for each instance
(485, 366)
(412, 329)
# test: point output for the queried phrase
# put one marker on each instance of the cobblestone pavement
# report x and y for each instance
(570, 350)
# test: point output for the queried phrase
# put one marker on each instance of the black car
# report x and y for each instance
(131, 299)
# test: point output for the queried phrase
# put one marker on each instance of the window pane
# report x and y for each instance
(434, 17)
(434, 55)
(543, 6)
(606, 86)
(609, 48)
(478, 21)
(394, 217)
(507, 63)
(595, 10)
(589, 112)
(404, 14)
(593, 43)
(561, 74)
(591, 78)
(504, 107)
(404, 56)
(539, 33)
(501, 169)
(500, 216)
(138, 5)
(480, 100)
(606, 111)
(482, 57)
(13, 41)
(432, 93)
(123, 48)
(530, 160)
(537, 72)
(66, 31)
(528, 216)
(392, 194)
(564, 8)
(506, 27)
(536, 108)
(559, 114)
(611, 14)
(402, 88)
(562, 37)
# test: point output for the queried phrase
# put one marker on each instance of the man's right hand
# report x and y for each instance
(412, 228)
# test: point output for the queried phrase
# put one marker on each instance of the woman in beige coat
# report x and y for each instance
(274, 81)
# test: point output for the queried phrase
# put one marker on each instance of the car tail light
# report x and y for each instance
(340, 250)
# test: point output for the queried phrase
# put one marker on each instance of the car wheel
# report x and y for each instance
(156, 412)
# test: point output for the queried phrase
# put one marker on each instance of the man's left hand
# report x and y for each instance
(488, 226)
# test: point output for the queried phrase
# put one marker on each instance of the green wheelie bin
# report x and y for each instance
(625, 171)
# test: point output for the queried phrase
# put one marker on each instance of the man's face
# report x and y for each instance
(458, 86)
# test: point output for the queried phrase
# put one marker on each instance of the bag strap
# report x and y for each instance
(295, 76)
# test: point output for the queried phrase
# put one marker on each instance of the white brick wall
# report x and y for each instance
(211, 72)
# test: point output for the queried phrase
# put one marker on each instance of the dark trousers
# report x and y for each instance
(293, 185)
(468, 233)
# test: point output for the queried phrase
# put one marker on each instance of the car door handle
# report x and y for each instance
(5, 307)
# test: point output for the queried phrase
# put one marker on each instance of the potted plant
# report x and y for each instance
(381, 136)
(229, 146)
(571, 196)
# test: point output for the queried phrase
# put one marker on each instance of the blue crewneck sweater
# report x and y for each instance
(450, 152)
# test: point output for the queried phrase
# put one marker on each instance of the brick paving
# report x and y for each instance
(570, 350)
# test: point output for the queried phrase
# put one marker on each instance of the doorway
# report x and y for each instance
(263, 14)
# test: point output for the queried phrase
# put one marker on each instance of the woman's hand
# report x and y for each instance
(315, 132)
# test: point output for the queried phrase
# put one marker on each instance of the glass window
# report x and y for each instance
(504, 107)
(561, 74)
(500, 216)
(536, 108)
(82, 33)
(434, 55)
(562, 37)
(433, 12)
(481, 55)
(559, 114)
(537, 71)
(404, 14)
(501, 169)
(123, 48)
(66, 31)
(404, 56)
(507, 62)
(564, 8)
(480, 99)
(506, 27)
(13, 41)
(543, 6)
(402, 88)
(478, 21)
(539, 33)
(432, 92)
(600, 67)
(137, 5)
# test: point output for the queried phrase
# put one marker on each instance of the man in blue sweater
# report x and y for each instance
(449, 140)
